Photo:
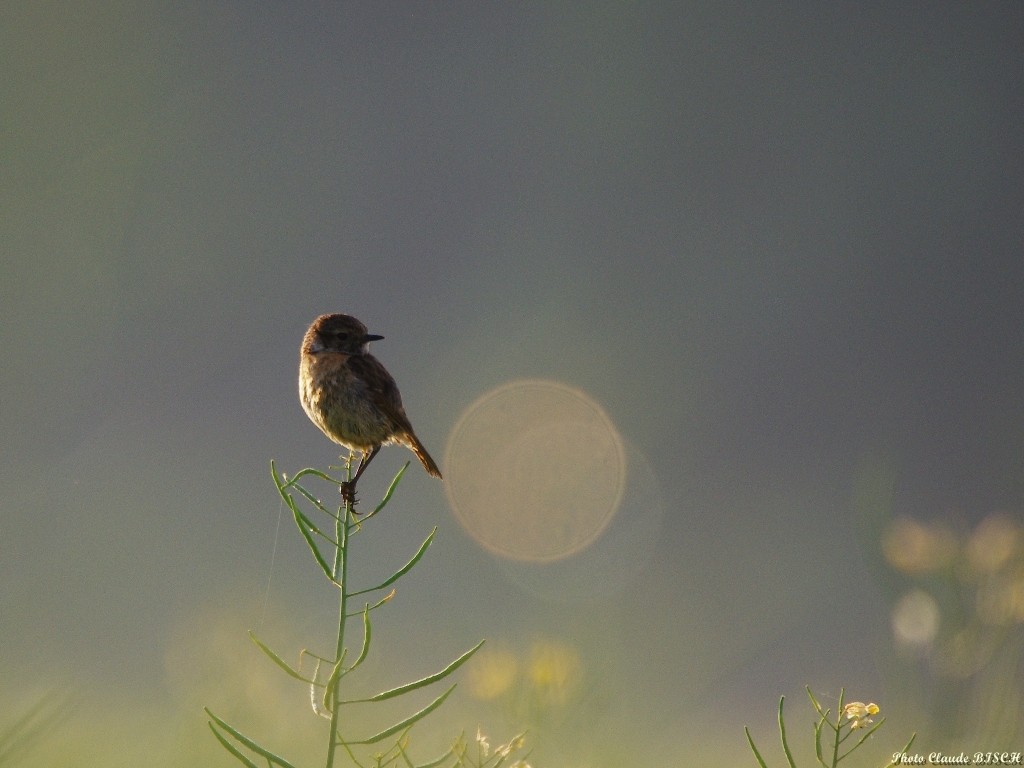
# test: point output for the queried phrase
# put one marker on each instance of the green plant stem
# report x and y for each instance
(839, 728)
(782, 734)
(342, 527)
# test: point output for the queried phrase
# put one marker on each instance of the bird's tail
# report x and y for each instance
(421, 453)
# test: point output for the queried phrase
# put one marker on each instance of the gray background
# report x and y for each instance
(779, 243)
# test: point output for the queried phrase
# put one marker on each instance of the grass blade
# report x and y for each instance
(430, 763)
(817, 742)
(903, 751)
(282, 483)
(283, 486)
(329, 702)
(750, 741)
(401, 726)
(865, 737)
(308, 496)
(367, 632)
(232, 748)
(782, 734)
(301, 521)
(391, 489)
(278, 660)
(387, 495)
(404, 569)
(422, 682)
(245, 740)
(24, 733)
(814, 702)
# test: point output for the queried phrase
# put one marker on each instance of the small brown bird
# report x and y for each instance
(352, 398)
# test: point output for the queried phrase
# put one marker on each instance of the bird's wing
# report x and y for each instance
(381, 389)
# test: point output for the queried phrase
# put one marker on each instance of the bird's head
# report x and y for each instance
(337, 333)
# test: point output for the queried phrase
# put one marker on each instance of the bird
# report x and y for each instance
(350, 395)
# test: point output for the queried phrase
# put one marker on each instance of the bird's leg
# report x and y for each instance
(364, 462)
(348, 488)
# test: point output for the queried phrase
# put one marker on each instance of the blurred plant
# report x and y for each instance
(541, 684)
(481, 756)
(959, 621)
(847, 721)
(330, 549)
(30, 728)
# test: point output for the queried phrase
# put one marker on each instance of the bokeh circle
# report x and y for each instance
(535, 470)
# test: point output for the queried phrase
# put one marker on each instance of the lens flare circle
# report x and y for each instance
(535, 470)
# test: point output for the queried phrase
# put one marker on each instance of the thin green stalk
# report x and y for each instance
(782, 734)
(839, 728)
(750, 741)
(342, 527)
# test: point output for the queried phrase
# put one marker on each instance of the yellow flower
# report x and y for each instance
(555, 671)
(858, 712)
(492, 673)
(914, 547)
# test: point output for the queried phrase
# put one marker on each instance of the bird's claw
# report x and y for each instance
(348, 493)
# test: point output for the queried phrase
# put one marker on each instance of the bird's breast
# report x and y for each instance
(337, 401)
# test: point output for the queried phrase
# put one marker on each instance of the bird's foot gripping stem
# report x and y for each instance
(348, 494)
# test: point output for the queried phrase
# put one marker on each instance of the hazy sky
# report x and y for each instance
(780, 245)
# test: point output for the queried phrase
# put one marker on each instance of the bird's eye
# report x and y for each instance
(342, 336)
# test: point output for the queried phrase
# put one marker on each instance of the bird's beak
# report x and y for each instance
(372, 337)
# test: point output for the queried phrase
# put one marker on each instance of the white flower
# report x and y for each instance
(858, 712)
(485, 747)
